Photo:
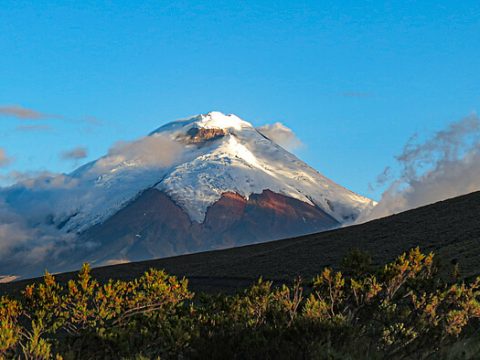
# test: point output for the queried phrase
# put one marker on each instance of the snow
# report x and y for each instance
(246, 162)
(212, 120)
(242, 161)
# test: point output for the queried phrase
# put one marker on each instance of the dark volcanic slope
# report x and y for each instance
(154, 226)
(450, 228)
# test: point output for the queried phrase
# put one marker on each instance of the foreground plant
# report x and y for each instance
(403, 310)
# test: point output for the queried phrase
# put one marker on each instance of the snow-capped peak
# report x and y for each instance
(194, 161)
(216, 119)
(211, 120)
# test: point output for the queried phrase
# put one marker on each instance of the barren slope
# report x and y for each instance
(451, 228)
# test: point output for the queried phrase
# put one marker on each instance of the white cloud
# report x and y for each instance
(157, 150)
(281, 135)
(442, 167)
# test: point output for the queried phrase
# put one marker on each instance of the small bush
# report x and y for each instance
(357, 263)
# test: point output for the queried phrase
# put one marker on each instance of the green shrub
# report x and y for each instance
(403, 310)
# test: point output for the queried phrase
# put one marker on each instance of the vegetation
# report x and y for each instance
(403, 310)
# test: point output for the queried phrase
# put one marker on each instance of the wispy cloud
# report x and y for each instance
(281, 135)
(444, 166)
(22, 113)
(77, 153)
(33, 128)
(4, 158)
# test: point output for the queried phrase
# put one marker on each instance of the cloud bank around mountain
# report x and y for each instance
(23, 243)
(28, 237)
(444, 166)
(157, 151)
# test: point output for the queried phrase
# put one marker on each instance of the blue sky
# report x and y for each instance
(353, 79)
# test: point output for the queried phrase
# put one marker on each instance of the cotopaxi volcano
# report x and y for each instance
(208, 182)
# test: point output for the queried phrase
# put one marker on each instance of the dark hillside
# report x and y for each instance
(450, 228)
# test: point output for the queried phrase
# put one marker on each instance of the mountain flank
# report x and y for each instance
(209, 182)
(154, 224)
(450, 228)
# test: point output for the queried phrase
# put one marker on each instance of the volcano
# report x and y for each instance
(207, 182)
